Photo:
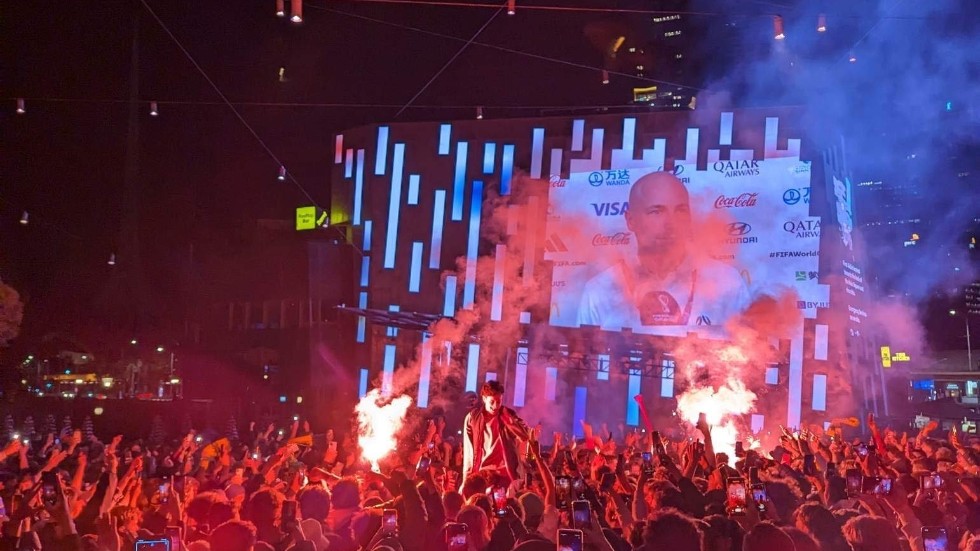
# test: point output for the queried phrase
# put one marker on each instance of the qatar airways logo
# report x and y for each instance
(734, 169)
(739, 201)
(802, 228)
(619, 238)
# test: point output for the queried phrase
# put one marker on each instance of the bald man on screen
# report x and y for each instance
(668, 283)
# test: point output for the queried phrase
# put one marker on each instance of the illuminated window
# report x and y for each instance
(772, 375)
(819, 402)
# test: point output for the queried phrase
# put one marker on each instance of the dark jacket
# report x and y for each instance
(512, 429)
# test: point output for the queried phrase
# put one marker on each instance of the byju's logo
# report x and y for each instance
(807, 304)
(793, 196)
(615, 208)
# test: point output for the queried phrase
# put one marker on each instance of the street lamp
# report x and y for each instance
(969, 348)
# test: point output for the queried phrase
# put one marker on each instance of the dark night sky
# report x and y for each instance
(203, 175)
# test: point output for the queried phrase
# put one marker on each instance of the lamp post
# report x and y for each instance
(969, 347)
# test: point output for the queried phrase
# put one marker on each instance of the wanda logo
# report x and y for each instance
(619, 238)
(743, 200)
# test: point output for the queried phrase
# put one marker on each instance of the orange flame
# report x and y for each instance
(379, 421)
(720, 406)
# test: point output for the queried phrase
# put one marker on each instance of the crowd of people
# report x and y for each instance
(280, 488)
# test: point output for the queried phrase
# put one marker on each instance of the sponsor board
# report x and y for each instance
(726, 190)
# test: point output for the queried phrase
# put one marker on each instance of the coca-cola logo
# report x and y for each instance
(743, 200)
(619, 238)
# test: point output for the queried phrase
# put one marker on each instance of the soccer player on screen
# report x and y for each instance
(668, 284)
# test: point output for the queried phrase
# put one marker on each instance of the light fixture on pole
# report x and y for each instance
(282, 174)
(852, 58)
(282, 74)
(479, 113)
(21, 109)
(280, 8)
(511, 7)
(296, 7)
(605, 76)
(777, 27)
(25, 218)
(821, 23)
(112, 259)
(153, 109)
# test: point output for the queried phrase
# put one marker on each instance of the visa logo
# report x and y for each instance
(611, 209)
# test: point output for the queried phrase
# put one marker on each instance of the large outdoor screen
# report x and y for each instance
(668, 253)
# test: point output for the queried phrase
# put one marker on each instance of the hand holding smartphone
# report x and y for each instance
(570, 540)
(457, 536)
(581, 515)
(389, 521)
(735, 504)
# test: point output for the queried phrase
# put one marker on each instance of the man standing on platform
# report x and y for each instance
(491, 436)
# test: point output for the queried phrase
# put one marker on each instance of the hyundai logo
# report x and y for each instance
(739, 228)
(595, 178)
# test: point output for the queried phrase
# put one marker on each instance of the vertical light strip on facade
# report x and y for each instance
(361, 320)
(506, 168)
(795, 379)
(349, 164)
(365, 270)
(449, 304)
(550, 383)
(602, 361)
(531, 223)
(389, 370)
(382, 155)
(358, 186)
(537, 151)
(459, 180)
(338, 149)
(394, 206)
(444, 133)
(415, 277)
(725, 130)
(473, 244)
(578, 414)
(362, 385)
(820, 341)
(425, 371)
(819, 401)
(632, 408)
(489, 153)
(438, 216)
(368, 228)
(413, 189)
(691, 147)
(497, 296)
(578, 133)
(472, 366)
(520, 376)
(555, 166)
